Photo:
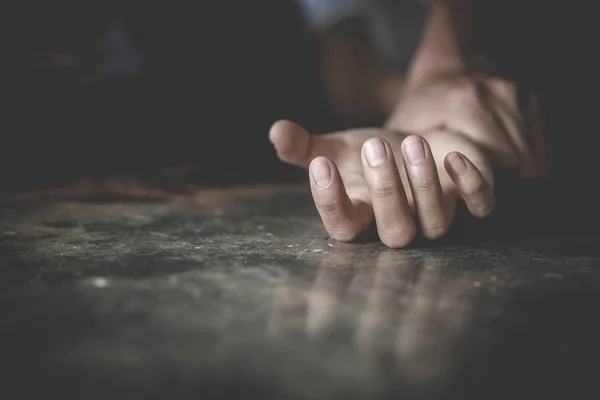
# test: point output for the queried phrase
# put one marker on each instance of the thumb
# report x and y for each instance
(294, 145)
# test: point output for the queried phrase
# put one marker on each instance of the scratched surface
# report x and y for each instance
(239, 293)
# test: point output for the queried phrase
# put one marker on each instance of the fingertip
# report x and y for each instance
(279, 129)
(343, 219)
(321, 159)
(413, 137)
(376, 151)
(482, 210)
(291, 141)
(416, 150)
(322, 172)
(399, 239)
(456, 164)
(375, 140)
(475, 189)
(346, 236)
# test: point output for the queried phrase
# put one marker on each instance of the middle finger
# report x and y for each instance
(395, 222)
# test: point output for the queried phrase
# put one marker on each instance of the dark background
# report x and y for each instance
(199, 83)
(209, 81)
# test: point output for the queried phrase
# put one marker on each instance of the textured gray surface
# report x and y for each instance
(238, 293)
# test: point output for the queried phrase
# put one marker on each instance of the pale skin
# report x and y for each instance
(451, 132)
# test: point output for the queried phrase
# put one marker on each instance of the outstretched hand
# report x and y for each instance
(405, 184)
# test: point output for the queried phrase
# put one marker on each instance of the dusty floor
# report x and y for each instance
(239, 293)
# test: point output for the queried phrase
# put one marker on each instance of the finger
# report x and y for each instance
(425, 186)
(395, 222)
(475, 190)
(342, 218)
(294, 145)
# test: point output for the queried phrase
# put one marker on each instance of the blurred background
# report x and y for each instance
(96, 88)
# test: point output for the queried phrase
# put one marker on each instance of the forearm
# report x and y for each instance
(449, 41)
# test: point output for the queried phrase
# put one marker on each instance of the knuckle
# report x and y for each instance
(385, 190)
(330, 208)
(474, 188)
(424, 185)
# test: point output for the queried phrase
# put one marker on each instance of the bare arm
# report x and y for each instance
(451, 41)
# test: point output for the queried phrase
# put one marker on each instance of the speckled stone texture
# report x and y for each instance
(238, 293)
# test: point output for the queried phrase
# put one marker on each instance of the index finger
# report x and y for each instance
(342, 217)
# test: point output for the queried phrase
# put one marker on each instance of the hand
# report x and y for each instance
(491, 112)
(363, 176)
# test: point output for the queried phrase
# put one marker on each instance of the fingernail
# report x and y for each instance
(375, 152)
(457, 164)
(414, 151)
(321, 173)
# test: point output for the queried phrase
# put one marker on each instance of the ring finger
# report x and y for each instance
(425, 186)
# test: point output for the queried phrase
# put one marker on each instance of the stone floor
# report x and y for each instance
(238, 293)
